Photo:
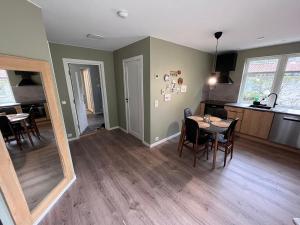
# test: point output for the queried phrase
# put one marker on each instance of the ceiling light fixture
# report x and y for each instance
(95, 36)
(213, 79)
(123, 13)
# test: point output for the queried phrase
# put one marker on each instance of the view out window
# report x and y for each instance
(289, 94)
(279, 74)
(6, 94)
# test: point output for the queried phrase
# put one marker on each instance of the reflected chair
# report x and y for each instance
(187, 112)
(194, 136)
(8, 110)
(226, 141)
(31, 124)
(8, 131)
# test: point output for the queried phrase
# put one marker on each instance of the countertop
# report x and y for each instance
(294, 112)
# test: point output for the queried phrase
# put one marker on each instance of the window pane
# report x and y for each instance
(6, 94)
(257, 85)
(262, 65)
(293, 64)
(289, 95)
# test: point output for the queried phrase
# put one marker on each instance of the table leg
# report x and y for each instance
(215, 150)
(28, 133)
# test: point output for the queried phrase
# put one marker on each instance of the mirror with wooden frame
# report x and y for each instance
(35, 161)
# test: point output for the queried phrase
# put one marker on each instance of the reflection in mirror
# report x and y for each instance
(27, 131)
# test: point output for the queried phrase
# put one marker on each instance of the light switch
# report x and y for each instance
(63, 102)
(155, 103)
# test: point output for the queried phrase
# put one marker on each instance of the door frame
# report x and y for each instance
(100, 65)
(135, 58)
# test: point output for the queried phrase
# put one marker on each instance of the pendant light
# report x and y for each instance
(213, 79)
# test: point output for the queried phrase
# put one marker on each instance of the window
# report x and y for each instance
(279, 74)
(6, 94)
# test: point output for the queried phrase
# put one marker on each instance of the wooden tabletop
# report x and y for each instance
(17, 117)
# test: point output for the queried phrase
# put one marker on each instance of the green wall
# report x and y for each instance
(138, 48)
(22, 34)
(195, 67)
(231, 92)
(58, 52)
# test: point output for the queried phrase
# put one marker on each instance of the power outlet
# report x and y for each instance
(155, 103)
(156, 139)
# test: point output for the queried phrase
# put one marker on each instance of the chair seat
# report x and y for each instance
(221, 139)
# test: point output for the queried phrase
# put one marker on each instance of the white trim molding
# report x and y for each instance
(164, 140)
(100, 65)
(54, 202)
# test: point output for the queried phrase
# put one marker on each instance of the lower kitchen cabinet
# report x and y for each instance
(256, 123)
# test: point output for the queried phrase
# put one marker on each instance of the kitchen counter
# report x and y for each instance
(294, 112)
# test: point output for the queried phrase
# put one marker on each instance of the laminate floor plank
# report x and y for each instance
(120, 181)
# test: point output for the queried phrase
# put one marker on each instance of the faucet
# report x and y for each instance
(276, 96)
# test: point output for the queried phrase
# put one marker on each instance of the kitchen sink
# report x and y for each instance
(261, 106)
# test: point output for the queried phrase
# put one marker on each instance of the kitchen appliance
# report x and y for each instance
(286, 130)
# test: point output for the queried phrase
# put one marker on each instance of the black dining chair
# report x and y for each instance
(187, 113)
(226, 140)
(9, 131)
(194, 136)
(221, 113)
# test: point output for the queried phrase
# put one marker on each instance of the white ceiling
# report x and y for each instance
(186, 22)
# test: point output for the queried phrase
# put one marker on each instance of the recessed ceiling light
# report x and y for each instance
(95, 36)
(123, 13)
(260, 38)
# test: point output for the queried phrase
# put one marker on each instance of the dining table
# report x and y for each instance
(21, 118)
(214, 126)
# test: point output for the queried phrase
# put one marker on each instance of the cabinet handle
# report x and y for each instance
(291, 119)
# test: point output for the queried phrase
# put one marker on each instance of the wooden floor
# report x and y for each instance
(119, 181)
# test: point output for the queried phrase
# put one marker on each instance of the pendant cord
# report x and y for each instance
(216, 55)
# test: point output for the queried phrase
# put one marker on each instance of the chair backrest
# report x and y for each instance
(191, 130)
(5, 126)
(230, 131)
(32, 112)
(8, 110)
(187, 112)
(221, 113)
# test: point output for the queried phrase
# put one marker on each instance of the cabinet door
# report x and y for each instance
(233, 113)
(257, 123)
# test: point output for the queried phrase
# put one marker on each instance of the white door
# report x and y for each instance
(77, 87)
(133, 79)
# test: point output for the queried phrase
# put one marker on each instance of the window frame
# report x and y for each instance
(10, 90)
(278, 75)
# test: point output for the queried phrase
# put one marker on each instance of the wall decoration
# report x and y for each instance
(166, 77)
(167, 97)
(183, 88)
(173, 73)
(180, 81)
(174, 81)
(163, 91)
(179, 72)
(156, 76)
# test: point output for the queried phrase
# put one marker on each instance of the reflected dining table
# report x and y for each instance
(21, 118)
(215, 126)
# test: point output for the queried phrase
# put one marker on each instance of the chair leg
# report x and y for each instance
(225, 157)
(207, 150)
(181, 148)
(231, 152)
(195, 155)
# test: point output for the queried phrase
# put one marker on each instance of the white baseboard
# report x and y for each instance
(118, 127)
(73, 139)
(164, 140)
(54, 202)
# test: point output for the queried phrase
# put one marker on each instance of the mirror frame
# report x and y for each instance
(9, 182)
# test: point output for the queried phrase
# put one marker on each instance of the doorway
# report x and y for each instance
(134, 98)
(87, 92)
